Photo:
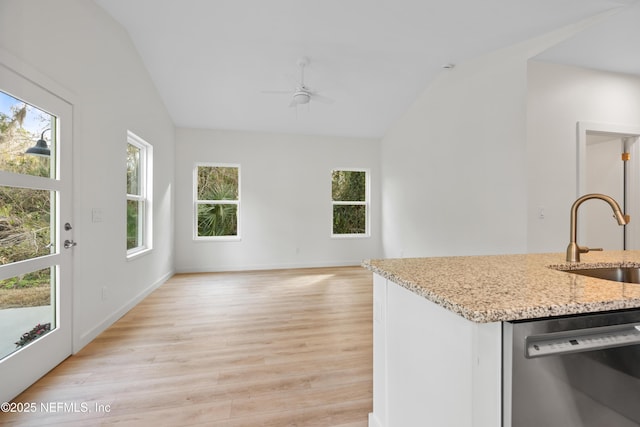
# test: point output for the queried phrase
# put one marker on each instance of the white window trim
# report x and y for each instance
(366, 203)
(197, 202)
(146, 195)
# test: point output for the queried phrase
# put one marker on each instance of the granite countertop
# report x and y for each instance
(513, 287)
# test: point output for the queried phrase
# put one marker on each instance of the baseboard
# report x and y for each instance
(374, 421)
(90, 335)
(256, 267)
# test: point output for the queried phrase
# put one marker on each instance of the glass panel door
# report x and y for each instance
(35, 267)
(27, 300)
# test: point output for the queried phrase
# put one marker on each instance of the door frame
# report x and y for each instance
(632, 230)
(37, 368)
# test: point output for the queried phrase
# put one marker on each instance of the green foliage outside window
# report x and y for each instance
(218, 192)
(24, 224)
(133, 169)
(133, 189)
(24, 212)
(349, 219)
(25, 230)
(349, 194)
(133, 234)
(348, 186)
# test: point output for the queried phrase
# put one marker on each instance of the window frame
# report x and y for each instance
(197, 202)
(366, 203)
(145, 174)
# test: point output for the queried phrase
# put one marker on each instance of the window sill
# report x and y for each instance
(218, 239)
(350, 236)
(131, 255)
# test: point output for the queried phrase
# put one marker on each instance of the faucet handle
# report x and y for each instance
(585, 249)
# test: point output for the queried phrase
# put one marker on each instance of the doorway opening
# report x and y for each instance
(609, 163)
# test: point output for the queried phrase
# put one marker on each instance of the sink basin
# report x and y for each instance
(617, 274)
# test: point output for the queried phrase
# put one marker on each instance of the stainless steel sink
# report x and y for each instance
(617, 274)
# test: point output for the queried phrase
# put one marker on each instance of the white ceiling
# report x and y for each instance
(611, 45)
(211, 60)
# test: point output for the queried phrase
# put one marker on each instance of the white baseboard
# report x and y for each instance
(374, 421)
(89, 336)
(256, 267)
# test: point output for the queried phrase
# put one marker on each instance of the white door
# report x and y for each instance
(35, 222)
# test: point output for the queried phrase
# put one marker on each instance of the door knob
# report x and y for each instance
(68, 244)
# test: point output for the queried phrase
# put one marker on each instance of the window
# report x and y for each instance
(217, 201)
(139, 191)
(350, 199)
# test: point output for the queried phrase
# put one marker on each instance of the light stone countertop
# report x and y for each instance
(513, 287)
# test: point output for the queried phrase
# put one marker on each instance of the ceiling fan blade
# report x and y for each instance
(302, 93)
(322, 99)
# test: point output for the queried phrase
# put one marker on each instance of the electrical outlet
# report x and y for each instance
(104, 293)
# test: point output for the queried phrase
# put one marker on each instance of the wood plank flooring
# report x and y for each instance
(266, 348)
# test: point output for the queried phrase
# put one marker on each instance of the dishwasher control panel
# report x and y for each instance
(582, 340)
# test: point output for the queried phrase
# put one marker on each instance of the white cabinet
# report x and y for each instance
(378, 418)
(432, 367)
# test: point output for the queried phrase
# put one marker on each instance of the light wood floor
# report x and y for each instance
(270, 348)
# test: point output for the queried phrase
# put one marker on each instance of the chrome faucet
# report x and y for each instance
(573, 250)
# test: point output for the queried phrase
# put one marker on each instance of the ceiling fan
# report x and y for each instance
(302, 94)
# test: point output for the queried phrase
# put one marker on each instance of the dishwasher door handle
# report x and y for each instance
(581, 340)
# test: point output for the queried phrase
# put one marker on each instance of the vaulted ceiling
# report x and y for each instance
(213, 60)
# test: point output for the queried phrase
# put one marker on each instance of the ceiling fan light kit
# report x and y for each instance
(301, 97)
(302, 94)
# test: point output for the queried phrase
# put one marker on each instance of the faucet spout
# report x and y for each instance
(573, 250)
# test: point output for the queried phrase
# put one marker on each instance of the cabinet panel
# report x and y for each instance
(431, 366)
(379, 416)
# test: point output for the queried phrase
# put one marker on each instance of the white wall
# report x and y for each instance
(558, 97)
(73, 47)
(454, 167)
(285, 200)
(454, 178)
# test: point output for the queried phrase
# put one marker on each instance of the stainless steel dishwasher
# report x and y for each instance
(580, 371)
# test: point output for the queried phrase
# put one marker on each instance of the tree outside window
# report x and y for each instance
(350, 200)
(217, 201)
(25, 213)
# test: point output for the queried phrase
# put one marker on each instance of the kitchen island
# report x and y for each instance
(438, 327)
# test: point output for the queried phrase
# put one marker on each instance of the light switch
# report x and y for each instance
(96, 215)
